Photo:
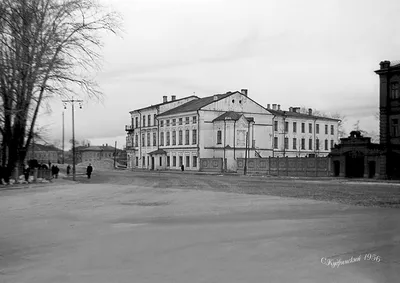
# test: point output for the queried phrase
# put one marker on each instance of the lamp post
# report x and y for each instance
(73, 101)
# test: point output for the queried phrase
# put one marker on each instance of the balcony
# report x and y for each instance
(129, 128)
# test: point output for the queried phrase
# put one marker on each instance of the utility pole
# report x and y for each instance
(63, 138)
(245, 156)
(73, 101)
(115, 153)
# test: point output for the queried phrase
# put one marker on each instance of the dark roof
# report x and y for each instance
(96, 148)
(42, 147)
(156, 105)
(195, 105)
(230, 115)
(158, 151)
(299, 115)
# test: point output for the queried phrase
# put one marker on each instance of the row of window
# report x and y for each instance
(174, 122)
(167, 122)
(303, 128)
(165, 138)
(174, 163)
(303, 144)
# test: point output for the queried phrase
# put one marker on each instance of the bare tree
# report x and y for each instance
(46, 48)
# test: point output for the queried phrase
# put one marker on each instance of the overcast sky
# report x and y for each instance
(319, 54)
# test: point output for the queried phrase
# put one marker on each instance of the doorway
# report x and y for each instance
(152, 163)
(371, 169)
(336, 168)
(355, 164)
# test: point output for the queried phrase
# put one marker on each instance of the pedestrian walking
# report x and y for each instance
(68, 170)
(56, 170)
(89, 170)
(182, 167)
(53, 171)
(26, 172)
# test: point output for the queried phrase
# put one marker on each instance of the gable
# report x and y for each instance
(236, 102)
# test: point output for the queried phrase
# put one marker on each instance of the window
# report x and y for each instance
(286, 127)
(332, 144)
(143, 143)
(180, 137)
(294, 127)
(187, 161)
(326, 129)
(394, 91)
(168, 139)
(154, 139)
(317, 144)
(137, 122)
(332, 130)
(167, 122)
(149, 121)
(194, 163)
(326, 144)
(275, 126)
(294, 143)
(173, 122)
(187, 120)
(303, 128)
(148, 139)
(219, 137)
(137, 161)
(310, 144)
(174, 161)
(187, 137)
(310, 128)
(275, 142)
(194, 119)
(136, 140)
(162, 123)
(173, 137)
(168, 161)
(303, 143)
(160, 161)
(317, 129)
(194, 136)
(180, 161)
(180, 121)
(143, 161)
(144, 120)
(286, 143)
(155, 120)
(395, 127)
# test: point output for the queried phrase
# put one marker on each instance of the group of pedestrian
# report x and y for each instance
(54, 171)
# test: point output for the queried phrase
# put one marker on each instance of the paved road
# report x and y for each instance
(141, 227)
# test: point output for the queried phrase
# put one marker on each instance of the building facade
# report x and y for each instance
(389, 117)
(44, 153)
(298, 134)
(221, 126)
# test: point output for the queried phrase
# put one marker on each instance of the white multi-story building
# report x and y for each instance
(300, 134)
(181, 132)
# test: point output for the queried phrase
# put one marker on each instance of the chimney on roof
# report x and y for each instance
(290, 109)
(309, 111)
(165, 99)
(215, 97)
(268, 106)
(173, 97)
(106, 144)
(279, 107)
(385, 64)
(244, 91)
(295, 109)
(274, 106)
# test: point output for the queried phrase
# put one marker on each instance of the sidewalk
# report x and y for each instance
(16, 186)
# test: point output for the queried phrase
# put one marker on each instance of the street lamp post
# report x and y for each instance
(73, 101)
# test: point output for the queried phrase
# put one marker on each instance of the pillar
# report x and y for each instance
(366, 167)
(342, 166)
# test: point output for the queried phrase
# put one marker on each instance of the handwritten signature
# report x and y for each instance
(336, 263)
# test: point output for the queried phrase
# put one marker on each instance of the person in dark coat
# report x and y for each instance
(53, 171)
(56, 170)
(89, 170)
(182, 167)
(26, 173)
(68, 170)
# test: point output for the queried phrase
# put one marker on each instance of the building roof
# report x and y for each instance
(42, 147)
(158, 151)
(96, 148)
(195, 105)
(230, 115)
(299, 115)
(394, 63)
(163, 103)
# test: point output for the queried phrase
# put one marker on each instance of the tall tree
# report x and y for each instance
(46, 47)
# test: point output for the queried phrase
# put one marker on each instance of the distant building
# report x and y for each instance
(389, 117)
(44, 153)
(91, 153)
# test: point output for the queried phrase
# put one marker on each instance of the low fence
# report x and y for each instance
(287, 166)
(211, 164)
(36, 173)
